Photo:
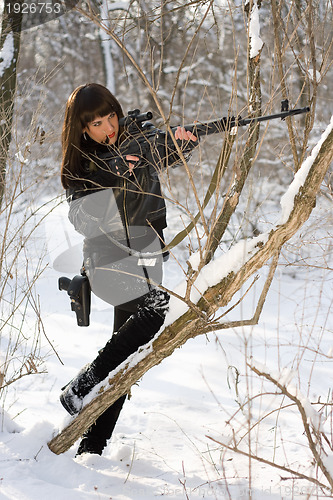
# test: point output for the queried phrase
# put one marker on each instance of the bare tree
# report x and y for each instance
(21, 262)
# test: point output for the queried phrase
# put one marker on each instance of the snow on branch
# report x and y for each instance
(213, 273)
(287, 200)
(254, 31)
(7, 53)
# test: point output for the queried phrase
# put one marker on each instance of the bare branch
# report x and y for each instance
(272, 464)
(313, 443)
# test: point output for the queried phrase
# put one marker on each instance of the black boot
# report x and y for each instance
(78, 388)
(90, 445)
(139, 329)
(95, 438)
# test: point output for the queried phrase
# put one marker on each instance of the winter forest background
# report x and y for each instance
(255, 269)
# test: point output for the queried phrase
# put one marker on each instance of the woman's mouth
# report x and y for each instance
(109, 136)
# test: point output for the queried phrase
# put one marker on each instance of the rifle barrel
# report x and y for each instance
(226, 123)
(284, 114)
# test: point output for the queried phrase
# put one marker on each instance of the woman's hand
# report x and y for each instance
(184, 135)
(120, 164)
(131, 158)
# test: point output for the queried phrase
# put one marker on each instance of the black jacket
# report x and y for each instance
(110, 203)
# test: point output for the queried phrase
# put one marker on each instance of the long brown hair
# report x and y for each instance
(84, 104)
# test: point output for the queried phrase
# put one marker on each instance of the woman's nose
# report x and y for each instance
(109, 127)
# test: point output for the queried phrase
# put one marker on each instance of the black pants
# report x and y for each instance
(103, 428)
(106, 285)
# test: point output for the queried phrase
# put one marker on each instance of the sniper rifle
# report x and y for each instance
(148, 142)
(141, 137)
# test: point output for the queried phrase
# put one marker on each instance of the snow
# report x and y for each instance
(7, 424)
(287, 201)
(21, 158)
(254, 31)
(161, 446)
(194, 260)
(170, 69)
(118, 5)
(311, 74)
(7, 53)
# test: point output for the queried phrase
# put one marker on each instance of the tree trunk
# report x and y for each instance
(9, 52)
(106, 41)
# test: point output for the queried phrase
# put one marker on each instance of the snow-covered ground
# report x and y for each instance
(161, 446)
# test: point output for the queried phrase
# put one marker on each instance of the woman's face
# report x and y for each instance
(103, 129)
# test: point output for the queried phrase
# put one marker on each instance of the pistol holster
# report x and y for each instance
(79, 292)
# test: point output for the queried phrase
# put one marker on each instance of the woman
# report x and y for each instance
(116, 203)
